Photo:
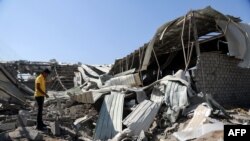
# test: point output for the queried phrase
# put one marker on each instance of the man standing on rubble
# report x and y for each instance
(40, 93)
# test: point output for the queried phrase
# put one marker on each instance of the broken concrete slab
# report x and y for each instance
(54, 96)
(86, 96)
(121, 135)
(198, 131)
(212, 136)
(84, 139)
(142, 137)
(25, 132)
(23, 116)
(110, 117)
(80, 94)
(78, 121)
(200, 116)
(68, 131)
(7, 126)
(55, 128)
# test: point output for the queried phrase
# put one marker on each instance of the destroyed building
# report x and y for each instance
(212, 46)
(185, 83)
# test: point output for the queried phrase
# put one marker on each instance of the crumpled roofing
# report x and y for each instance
(167, 38)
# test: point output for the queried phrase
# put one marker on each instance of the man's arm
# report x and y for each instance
(40, 90)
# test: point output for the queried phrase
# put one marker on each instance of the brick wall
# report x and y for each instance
(228, 83)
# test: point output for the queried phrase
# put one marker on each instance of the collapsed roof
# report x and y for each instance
(181, 34)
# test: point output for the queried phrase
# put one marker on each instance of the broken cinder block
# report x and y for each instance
(55, 128)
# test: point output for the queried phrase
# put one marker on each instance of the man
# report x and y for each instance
(40, 93)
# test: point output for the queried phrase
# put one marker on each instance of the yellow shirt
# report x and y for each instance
(40, 79)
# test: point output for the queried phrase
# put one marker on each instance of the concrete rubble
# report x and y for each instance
(140, 97)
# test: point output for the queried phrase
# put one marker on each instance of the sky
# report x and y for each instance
(91, 31)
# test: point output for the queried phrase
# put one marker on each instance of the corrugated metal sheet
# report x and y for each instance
(125, 73)
(108, 89)
(8, 91)
(131, 80)
(85, 77)
(81, 96)
(77, 79)
(110, 119)
(157, 96)
(89, 97)
(140, 94)
(176, 97)
(90, 71)
(105, 69)
(142, 117)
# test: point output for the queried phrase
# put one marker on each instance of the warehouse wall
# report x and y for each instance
(228, 83)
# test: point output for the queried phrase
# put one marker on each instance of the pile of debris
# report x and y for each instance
(122, 110)
(141, 97)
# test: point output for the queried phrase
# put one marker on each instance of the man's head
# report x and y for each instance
(46, 72)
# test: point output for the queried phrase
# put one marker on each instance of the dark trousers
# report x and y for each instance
(40, 100)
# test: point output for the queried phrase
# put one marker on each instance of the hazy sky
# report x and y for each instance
(91, 31)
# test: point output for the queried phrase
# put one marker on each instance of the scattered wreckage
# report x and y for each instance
(165, 90)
